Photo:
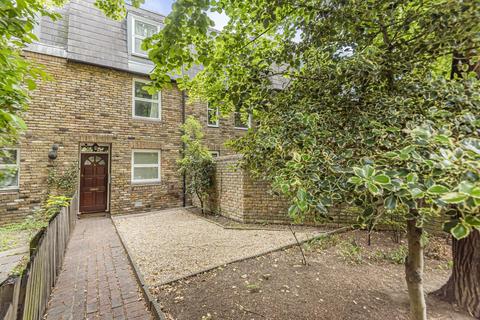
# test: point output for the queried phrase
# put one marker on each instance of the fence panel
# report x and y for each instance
(29, 293)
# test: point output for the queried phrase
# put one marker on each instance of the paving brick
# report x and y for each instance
(83, 293)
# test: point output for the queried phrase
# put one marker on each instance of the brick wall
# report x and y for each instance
(90, 104)
(236, 195)
(215, 137)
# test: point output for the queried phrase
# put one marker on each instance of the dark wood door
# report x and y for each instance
(93, 182)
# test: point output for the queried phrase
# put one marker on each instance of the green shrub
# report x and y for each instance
(350, 251)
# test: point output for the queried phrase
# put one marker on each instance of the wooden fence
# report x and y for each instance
(28, 294)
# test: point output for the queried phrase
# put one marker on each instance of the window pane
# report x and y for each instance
(145, 158)
(8, 178)
(144, 29)
(145, 173)
(146, 109)
(212, 117)
(138, 46)
(239, 123)
(141, 93)
(8, 157)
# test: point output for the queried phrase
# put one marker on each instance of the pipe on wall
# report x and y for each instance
(184, 178)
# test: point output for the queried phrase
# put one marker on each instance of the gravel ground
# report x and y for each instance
(170, 244)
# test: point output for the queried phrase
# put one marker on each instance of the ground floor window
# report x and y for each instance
(240, 121)
(9, 169)
(145, 166)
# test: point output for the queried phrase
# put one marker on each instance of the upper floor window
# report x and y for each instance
(145, 166)
(212, 116)
(240, 121)
(141, 29)
(145, 105)
(9, 169)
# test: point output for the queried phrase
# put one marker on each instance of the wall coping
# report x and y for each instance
(235, 157)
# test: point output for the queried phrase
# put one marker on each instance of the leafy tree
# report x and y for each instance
(367, 114)
(197, 162)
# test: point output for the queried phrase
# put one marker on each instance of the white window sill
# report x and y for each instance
(239, 128)
(139, 55)
(147, 119)
(213, 126)
(146, 183)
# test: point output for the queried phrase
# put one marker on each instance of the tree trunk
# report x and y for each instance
(414, 272)
(463, 286)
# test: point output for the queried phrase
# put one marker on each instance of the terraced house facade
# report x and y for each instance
(123, 141)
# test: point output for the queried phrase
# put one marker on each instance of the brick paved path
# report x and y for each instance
(96, 281)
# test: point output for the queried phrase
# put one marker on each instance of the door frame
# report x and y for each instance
(109, 157)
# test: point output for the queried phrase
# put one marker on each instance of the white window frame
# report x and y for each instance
(249, 124)
(158, 101)
(133, 165)
(217, 123)
(216, 153)
(133, 36)
(17, 165)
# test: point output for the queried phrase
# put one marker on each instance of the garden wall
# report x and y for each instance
(236, 195)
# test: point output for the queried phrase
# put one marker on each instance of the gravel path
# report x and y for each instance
(170, 244)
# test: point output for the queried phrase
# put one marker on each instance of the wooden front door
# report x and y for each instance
(93, 182)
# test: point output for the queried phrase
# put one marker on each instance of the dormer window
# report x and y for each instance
(141, 29)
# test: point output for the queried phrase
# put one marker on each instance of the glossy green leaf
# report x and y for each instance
(473, 221)
(390, 202)
(355, 180)
(438, 189)
(382, 179)
(373, 188)
(417, 193)
(460, 231)
(454, 197)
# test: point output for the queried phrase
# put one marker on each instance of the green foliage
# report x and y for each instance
(14, 234)
(322, 243)
(350, 251)
(116, 9)
(63, 182)
(368, 115)
(53, 205)
(397, 255)
(17, 75)
(196, 163)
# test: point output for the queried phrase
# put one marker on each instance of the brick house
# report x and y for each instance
(125, 141)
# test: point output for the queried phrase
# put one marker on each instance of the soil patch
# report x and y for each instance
(344, 279)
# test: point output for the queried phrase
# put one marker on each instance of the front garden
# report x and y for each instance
(344, 279)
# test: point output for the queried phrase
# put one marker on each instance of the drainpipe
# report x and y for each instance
(184, 178)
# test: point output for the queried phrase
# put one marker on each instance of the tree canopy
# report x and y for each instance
(368, 114)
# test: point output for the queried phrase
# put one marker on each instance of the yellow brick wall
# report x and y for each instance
(86, 104)
(236, 195)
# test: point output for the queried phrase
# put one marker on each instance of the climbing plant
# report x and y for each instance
(63, 182)
(196, 162)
